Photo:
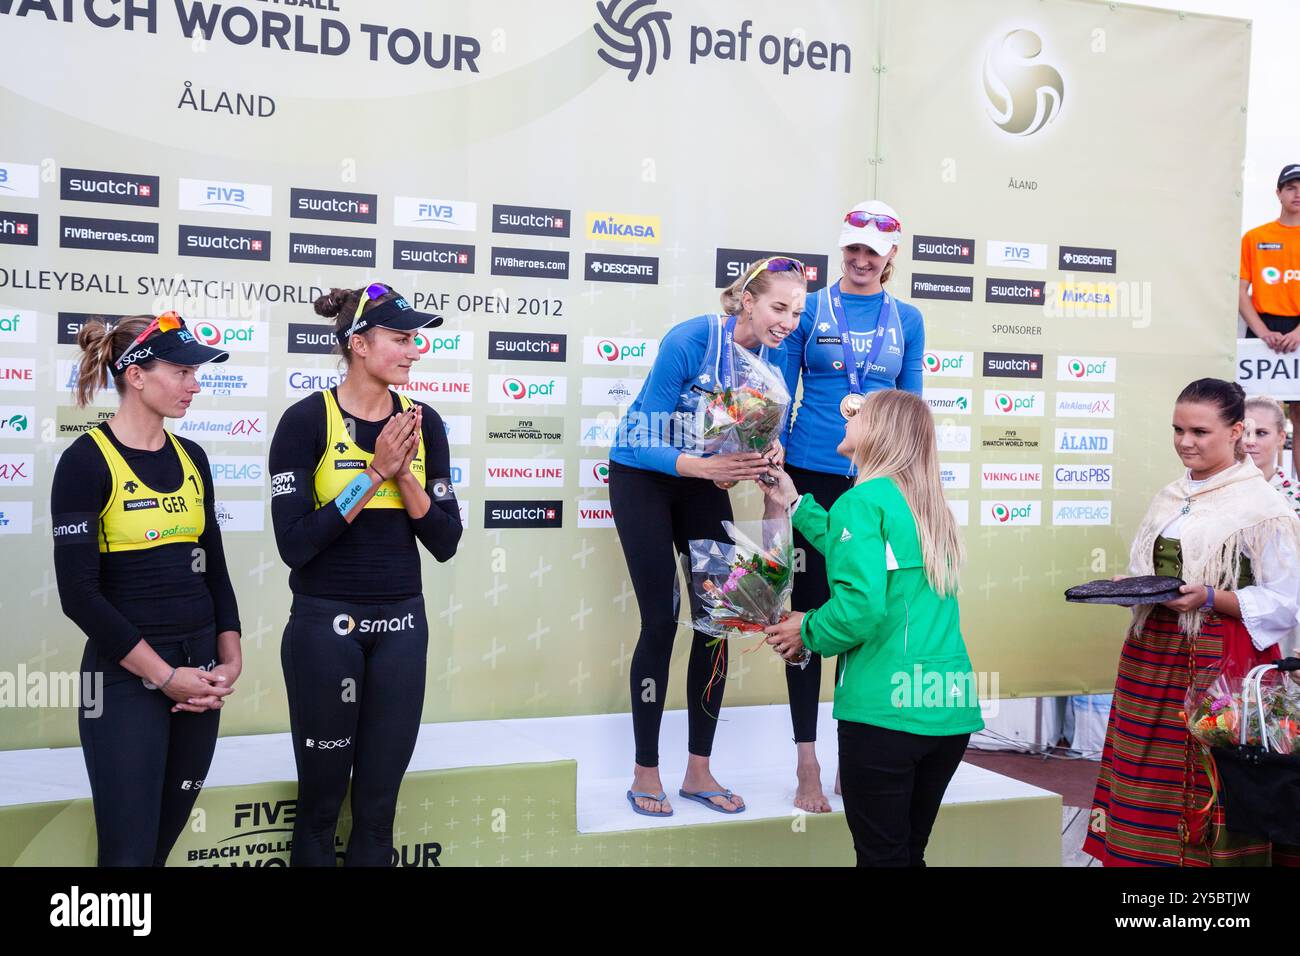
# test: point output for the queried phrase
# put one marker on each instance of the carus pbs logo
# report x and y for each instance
(1024, 91)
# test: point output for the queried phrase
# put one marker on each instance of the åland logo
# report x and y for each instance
(514, 388)
(607, 350)
(628, 30)
(1024, 92)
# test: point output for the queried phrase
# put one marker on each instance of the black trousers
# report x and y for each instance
(1275, 323)
(654, 514)
(146, 765)
(355, 680)
(893, 783)
(810, 591)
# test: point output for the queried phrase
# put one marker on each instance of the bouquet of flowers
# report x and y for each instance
(1215, 715)
(742, 585)
(748, 415)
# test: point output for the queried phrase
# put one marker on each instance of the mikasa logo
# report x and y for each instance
(344, 624)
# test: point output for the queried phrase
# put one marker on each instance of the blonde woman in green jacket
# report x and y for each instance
(905, 699)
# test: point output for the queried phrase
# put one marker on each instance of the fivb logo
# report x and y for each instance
(632, 35)
(1008, 513)
(948, 364)
(600, 351)
(1085, 368)
(528, 389)
(1017, 255)
(240, 199)
(20, 180)
(435, 213)
(1024, 91)
(1013, 403)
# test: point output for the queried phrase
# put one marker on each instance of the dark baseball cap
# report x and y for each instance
(396, 314)
(166, 339)
(1290, 173)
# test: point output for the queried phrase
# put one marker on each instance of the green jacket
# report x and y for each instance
(905, 665)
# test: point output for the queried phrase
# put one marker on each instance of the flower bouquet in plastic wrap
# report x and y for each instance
(1214, 714)
(741, 586)
(746, 412)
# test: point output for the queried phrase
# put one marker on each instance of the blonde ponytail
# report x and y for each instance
(101, 343)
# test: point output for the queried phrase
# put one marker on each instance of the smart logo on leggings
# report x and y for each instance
(523, 514)
(345, 624)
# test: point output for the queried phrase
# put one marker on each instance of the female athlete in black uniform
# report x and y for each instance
(141, 570)
(358, 474)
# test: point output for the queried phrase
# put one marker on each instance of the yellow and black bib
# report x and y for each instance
(344, 459)
(137, 516)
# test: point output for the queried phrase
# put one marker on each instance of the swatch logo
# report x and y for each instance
(1024, 92)
(531, 221)
(92, 185)
(18, 228)
(433, 256)
(332, 206)
(218, 243)
(523, 514)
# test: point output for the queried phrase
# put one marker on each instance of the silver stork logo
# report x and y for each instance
(631, 31)
(1024, 91)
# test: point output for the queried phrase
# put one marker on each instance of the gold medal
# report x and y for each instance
(850, 404)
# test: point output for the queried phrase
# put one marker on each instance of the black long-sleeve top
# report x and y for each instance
(158, 594)
(373, 560)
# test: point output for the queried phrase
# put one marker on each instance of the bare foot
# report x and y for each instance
(646, 780)
(809, 796)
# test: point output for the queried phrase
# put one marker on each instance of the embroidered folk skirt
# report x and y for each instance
(1149, 776)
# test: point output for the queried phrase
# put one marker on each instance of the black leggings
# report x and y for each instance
(146, 764)
(655, 513)
(811, 590)
(893, 783)
(355, 680)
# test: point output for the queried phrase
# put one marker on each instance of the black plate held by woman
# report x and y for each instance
(1143, 589)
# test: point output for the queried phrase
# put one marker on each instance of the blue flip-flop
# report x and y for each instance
(703, 797)
(631, 799)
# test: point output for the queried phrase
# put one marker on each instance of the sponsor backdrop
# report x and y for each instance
(563, 185)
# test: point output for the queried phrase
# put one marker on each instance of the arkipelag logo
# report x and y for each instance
(1024, 91)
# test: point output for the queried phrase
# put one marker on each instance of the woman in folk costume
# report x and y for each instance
(1225, 531)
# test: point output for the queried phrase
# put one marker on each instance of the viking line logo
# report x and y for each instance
(1024, 92)
(607, 350)
(601, 471)
(628, 31)
(207, 333)
(514, 388)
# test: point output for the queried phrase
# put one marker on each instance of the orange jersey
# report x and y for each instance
(1270, 262)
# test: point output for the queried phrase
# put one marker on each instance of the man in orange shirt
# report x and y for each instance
(1269, 297)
